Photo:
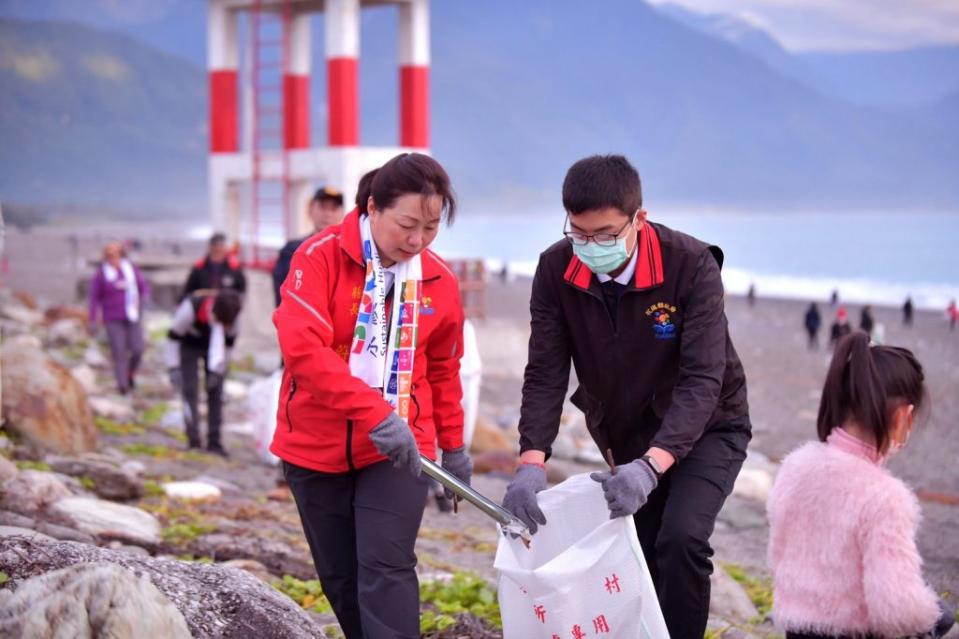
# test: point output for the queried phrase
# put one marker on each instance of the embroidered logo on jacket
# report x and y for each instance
(663, 327)
(426, 307)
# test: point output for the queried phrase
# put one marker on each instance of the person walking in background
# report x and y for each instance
(751, 295)
(907, 311)
(813, 321)
(840, 327)
(117, 292)
(371, 383)
(834, 298)
(842, 528)
(203, 331)
(866, 320)
(952, 314)
(217, 270)
(326, 209)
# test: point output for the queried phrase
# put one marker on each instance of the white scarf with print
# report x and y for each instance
(128, 284)
(382, 353)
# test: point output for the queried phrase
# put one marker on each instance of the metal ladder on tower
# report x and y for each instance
(270, 184)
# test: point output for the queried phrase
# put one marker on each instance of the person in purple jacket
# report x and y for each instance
(117, 292)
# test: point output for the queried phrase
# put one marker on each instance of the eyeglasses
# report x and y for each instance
(602, 239)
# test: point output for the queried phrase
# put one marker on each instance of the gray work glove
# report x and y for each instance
(457, 462)
(394, 439)
(627, 488)
(521, 495)
(176, 379)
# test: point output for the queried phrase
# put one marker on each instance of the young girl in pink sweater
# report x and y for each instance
(842, 538)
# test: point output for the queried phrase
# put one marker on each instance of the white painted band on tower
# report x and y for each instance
(342, 27)
(221, 44)
(414, 37)
(300, 44)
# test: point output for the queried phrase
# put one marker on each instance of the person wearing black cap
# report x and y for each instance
(219, 269)
(326, 209)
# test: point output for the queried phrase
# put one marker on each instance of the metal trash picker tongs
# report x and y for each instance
(509, 524)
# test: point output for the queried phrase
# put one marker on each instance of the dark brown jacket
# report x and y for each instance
(658, 374)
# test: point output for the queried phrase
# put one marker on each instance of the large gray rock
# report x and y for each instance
(8, 518)
(21, 315)
(110, 480)
(31, 491)
(7, 469)
(15, 531)
(100, 600)
(108, 520)
(63, 533)
(115, 408)
(278, 558)
(67, 331)
(215, 601)
(728, 599)
(44, 403)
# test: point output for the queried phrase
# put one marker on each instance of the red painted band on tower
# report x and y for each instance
(296, 111)
(343, 100)
(223, 111)
(415, 106)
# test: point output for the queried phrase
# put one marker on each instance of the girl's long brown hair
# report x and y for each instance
(866, 383)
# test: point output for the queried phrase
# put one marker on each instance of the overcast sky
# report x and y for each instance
(802, 25)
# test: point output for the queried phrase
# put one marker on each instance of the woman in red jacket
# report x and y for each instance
(370, 327)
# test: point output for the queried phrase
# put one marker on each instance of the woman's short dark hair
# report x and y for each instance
(407, 173)
(226, 307)
(602, 181)
(866, 384)
(363, 190)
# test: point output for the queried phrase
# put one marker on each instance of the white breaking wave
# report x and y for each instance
(857, 291)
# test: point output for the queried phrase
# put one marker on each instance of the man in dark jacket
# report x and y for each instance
(217, 270)
(638, 309)
(326, 209)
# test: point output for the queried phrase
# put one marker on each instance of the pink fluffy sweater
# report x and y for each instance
(842, 545)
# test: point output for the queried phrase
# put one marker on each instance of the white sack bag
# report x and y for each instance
(263, 401)
(471, 375)
(583, 575)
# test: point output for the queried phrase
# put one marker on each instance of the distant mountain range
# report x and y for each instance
(715, 114)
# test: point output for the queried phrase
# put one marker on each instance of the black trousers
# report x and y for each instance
(190, 358)
(361, 527)
(677, 521)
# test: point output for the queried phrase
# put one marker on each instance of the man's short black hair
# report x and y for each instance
(226, 307)
(218, 238)
(328, 194)
(602, 181)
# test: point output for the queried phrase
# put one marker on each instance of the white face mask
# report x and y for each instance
(602, 259)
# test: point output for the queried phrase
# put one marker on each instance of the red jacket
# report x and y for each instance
(325, 414)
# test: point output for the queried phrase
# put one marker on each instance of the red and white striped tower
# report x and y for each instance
(342, 22)
(296, 84)
(415, 74)
(293, 161)
(221, 64)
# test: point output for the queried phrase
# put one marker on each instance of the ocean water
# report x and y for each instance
(869, 258)
(878, 258)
